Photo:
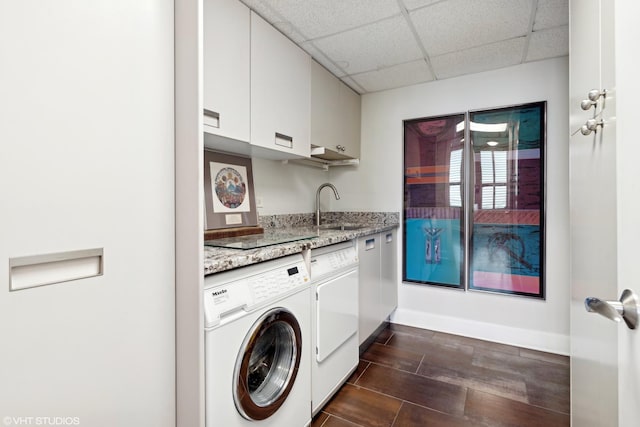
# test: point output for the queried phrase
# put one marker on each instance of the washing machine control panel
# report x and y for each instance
(229, 295)
(277, 282)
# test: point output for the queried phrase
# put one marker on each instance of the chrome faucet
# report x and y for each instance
(335, 192)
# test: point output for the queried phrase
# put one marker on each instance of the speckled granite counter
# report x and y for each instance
(220, 259)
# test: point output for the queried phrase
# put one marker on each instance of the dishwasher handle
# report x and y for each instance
(370, 244)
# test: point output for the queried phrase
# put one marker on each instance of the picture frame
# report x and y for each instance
(474, 200)
(507, 246)
(434, 203)
(229, 194)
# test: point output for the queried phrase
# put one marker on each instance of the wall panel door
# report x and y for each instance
(86, 161)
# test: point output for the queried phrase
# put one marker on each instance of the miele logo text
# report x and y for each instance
(218, 293)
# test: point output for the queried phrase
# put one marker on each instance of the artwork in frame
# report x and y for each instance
(507, 224)
(474, 200)
(434, 202)
(229, 195)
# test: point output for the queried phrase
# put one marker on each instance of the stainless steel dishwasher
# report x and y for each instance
(334, 319)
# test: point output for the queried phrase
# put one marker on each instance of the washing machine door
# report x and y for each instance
(267, 364)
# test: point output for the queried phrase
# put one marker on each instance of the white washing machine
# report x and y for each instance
(258, 345)
(334, 284)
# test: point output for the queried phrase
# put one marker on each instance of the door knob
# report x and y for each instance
(626, 309)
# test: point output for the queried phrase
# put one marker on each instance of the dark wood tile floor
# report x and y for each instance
(415, 377)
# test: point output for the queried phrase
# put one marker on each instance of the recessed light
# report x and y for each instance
(492, 143)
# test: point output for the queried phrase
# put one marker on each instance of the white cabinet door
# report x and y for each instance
(337, 313)
(388, 284)
(325, 91)
(226, 69)
(280, 92)
(87, 161)
(369, 294)
(335, 115)
(349, 125)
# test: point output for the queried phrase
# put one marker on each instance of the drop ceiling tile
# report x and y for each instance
(461, 24)
(551, 13)
(548, 44)
(479, 59)
(396, 76)
(318, 18)
(371, 47)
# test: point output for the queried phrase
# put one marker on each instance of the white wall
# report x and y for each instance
(377, 185)
(86, 161)
(289, 188)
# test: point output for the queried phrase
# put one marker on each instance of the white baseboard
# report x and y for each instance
(527, 338)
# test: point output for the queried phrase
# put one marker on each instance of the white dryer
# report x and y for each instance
(334, 284)
(257, 345)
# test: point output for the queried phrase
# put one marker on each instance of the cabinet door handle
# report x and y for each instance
(215, 116)
(284, 140)
(47, 269)
(369, 244)
(389, 237)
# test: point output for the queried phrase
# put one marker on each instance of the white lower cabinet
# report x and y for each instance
(369, 291)
(378, 293)
(388, 273)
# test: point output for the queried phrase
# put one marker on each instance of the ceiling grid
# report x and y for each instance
(374, 45)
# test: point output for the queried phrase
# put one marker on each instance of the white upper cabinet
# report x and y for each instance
(280, 92)
(335, 116)
(325, 91)
(349, 123)
(226, 69)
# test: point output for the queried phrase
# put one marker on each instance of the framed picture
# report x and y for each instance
(474, 200)
(507, 245)
(228, 191)
(434, 201)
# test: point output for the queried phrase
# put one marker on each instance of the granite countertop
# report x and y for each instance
(217, 259)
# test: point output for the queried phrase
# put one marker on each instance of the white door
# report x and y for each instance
(605, 231)
(86, 162)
